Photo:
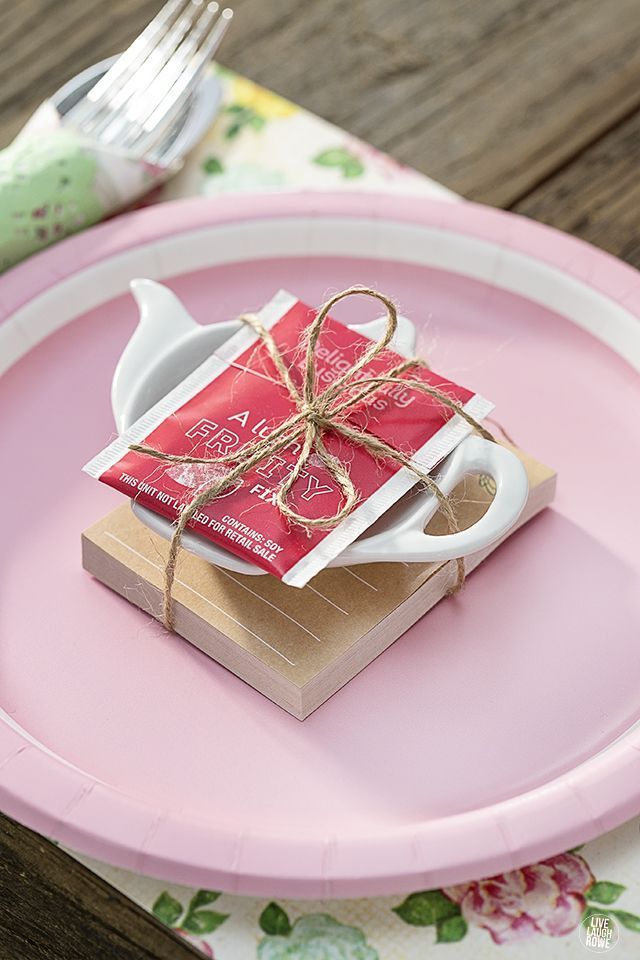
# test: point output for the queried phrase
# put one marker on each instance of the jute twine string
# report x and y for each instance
(316, 413)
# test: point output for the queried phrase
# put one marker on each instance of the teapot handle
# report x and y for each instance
(411, 545)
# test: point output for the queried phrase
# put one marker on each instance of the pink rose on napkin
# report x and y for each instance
(546, 897)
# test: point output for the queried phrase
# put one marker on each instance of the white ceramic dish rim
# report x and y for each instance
(166, 330)
(588, 287)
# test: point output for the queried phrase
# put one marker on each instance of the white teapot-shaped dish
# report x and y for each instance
(169, 344)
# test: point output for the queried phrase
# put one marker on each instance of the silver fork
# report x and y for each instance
(136, 105)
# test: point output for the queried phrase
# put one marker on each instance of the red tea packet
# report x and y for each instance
(236, 396)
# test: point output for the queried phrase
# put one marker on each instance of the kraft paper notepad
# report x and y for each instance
(296, 646)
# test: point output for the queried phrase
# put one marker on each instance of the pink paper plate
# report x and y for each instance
(499, 730)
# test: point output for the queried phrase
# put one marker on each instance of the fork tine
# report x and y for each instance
(142, 83)
(157, 121)
(139, 110)
(135, 54)
(139, 100)
(146, 72)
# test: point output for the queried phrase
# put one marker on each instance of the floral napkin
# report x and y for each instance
(541, 912)
(260, 141)
(54, 183)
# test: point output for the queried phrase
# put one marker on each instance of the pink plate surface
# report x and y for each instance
(499, 730)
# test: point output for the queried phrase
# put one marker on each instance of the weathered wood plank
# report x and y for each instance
(597, 196)
(53, 908)
(488, 97)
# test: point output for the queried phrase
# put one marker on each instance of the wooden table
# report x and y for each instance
(530, 105)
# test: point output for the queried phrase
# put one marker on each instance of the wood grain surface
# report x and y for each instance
(53, 907)
(532, 105)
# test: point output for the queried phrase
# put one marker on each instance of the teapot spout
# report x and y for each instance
(163, 322)
(159, 306)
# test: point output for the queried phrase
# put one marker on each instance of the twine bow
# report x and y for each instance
(317, 412)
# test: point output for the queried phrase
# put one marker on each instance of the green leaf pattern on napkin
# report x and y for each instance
(194, 922)
(274, 921)
(344, 160)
